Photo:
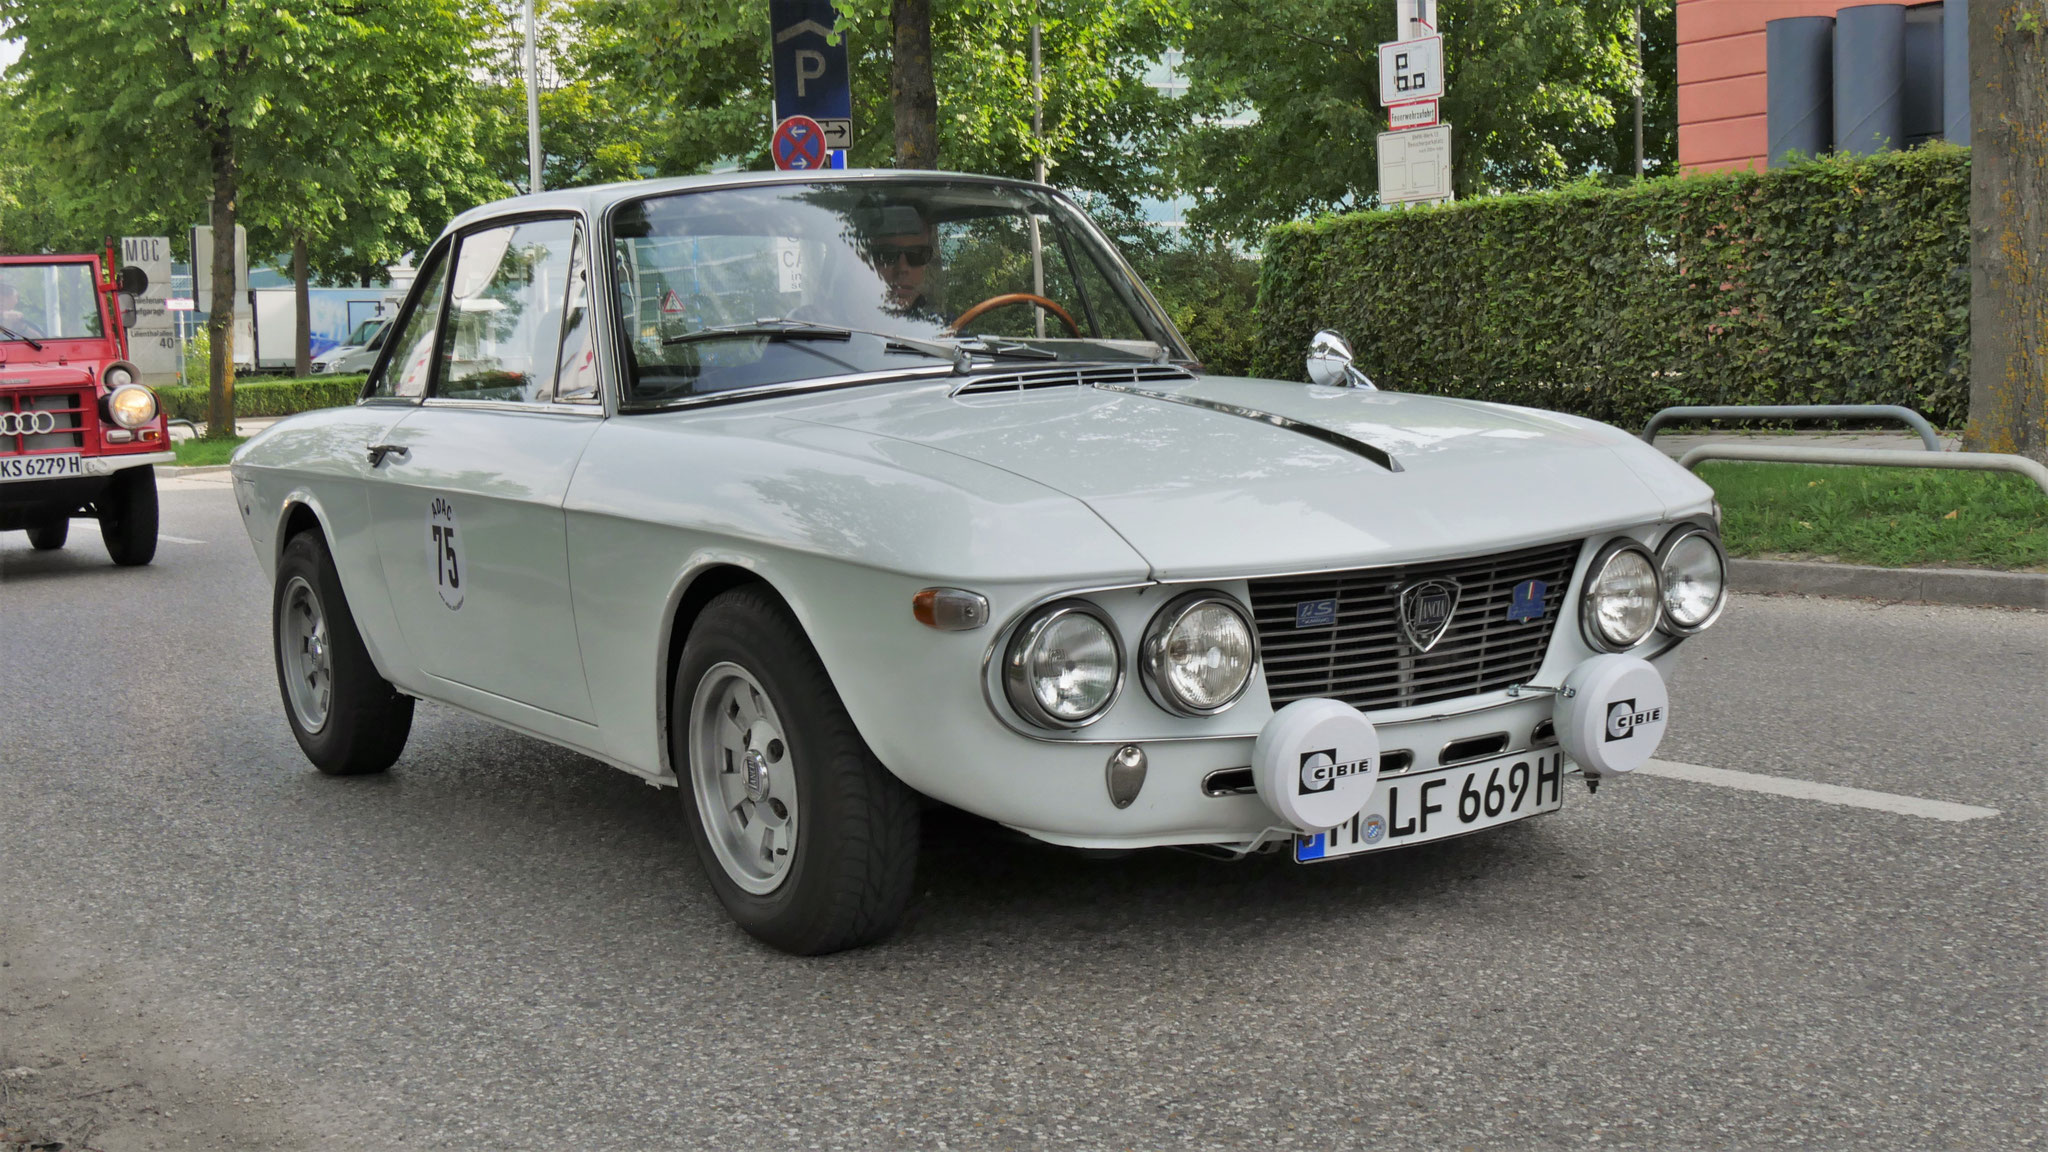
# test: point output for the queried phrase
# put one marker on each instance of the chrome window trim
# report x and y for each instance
(533, 406)
(792, 388)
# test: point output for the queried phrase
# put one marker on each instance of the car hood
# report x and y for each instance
(41, 375)
(1205, 493)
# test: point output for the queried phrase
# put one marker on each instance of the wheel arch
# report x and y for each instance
(686, 603)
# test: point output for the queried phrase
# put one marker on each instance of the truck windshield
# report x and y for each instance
(48, 302)
(364, 332)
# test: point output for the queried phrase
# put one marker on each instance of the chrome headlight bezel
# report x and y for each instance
(1016, 668)
(1669, 544)
(1152, 661)
(128, 419)
(1589, 617)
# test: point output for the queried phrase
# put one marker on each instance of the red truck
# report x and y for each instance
(79, 433)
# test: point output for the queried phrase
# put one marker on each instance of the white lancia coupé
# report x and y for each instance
(828, 497)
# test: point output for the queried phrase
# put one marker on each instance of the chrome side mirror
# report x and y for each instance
(1329, 362)
(125, 302)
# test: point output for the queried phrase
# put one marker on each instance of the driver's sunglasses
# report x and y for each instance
(918, 255)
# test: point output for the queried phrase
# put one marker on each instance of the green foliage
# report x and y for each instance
(1894, 517)
(205, 453)
(1208, 288)
(694, 75)
(264, 397)
(1288, 92)
(1836, 281)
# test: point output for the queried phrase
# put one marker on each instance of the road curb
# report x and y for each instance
(1927, 585)
(176, 472)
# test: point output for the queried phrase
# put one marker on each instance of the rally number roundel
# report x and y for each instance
(1316, 763)
(1611, 716)
(444, 551)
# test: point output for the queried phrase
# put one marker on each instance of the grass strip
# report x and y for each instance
(201, 453)
(1889, 517)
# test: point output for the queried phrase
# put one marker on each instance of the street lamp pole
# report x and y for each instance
(532, 104)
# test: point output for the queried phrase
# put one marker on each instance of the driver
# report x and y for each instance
(903, 258)
(11, 315)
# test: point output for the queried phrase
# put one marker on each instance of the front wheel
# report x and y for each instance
(128, 516)
(49, 535)
(348, 720)
(809, 842)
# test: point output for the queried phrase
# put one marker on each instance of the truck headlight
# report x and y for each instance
(1199, 654)
(1694, 571)
(131, 405)
(1621, 601)
(1064, 665)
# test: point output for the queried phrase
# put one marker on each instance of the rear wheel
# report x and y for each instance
(809, 842)
(128, 516)
(347, 719)
(48, 535)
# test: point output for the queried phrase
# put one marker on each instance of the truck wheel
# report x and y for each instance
(347, 719)
(49, 535)
(809, 842)
(128, 516)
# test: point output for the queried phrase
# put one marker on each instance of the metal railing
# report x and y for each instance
(1906, 416)
(1878, 457)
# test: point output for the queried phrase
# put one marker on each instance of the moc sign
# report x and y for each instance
(153, 338)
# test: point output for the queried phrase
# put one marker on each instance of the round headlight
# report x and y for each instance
(1063, 666)
(1695, 578)
(1199, 655)
(1621, 602)
(132, 405)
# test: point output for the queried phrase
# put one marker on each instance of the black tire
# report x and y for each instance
(127, 512)
(49, 535)
(366, 720)
(855, 859)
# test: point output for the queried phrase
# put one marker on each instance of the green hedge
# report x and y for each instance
(262, 397)
(1835, 281)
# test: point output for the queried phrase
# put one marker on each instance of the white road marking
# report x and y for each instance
(177, 539)
(1808, 790)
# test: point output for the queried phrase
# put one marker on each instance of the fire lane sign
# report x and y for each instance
(1421, 114)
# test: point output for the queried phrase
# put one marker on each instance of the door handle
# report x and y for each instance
(379, 451)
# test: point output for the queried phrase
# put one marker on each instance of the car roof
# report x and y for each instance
(592, 200)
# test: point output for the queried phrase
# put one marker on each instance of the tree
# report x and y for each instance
(2009, 227)
(696, 73)
(228, 96)
(1289, 94)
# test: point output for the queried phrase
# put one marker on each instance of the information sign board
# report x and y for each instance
(812, 79)
(1415, 166)
(153, 338)
(1411, 70)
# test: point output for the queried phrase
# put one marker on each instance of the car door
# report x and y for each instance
(468, 496)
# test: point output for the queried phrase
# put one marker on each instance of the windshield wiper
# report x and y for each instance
(11, 334)
(1004, 349)
(773, 329)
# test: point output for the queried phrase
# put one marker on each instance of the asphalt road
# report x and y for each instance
(503, 945)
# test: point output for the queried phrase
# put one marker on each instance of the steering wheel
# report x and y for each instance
(1009, 298)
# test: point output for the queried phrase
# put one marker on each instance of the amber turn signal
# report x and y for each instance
(949, 609)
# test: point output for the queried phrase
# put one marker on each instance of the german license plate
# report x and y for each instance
(45, 466)
(1436, 805)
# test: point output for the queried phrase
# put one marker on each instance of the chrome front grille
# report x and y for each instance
(67, 422)
(1362, 656)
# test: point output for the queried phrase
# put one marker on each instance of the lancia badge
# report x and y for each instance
(1426, 608)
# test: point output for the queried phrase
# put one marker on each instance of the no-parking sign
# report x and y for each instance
(798, 145)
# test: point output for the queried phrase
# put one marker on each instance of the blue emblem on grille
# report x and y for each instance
(1315, 613)
(1527, 604)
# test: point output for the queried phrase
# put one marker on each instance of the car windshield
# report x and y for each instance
(48, 302)
(364, 332)
(755, 286)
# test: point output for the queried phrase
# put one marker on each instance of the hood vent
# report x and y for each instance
(1079, 375)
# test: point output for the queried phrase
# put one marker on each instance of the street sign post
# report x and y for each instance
(812, 80)
(1415, 166)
